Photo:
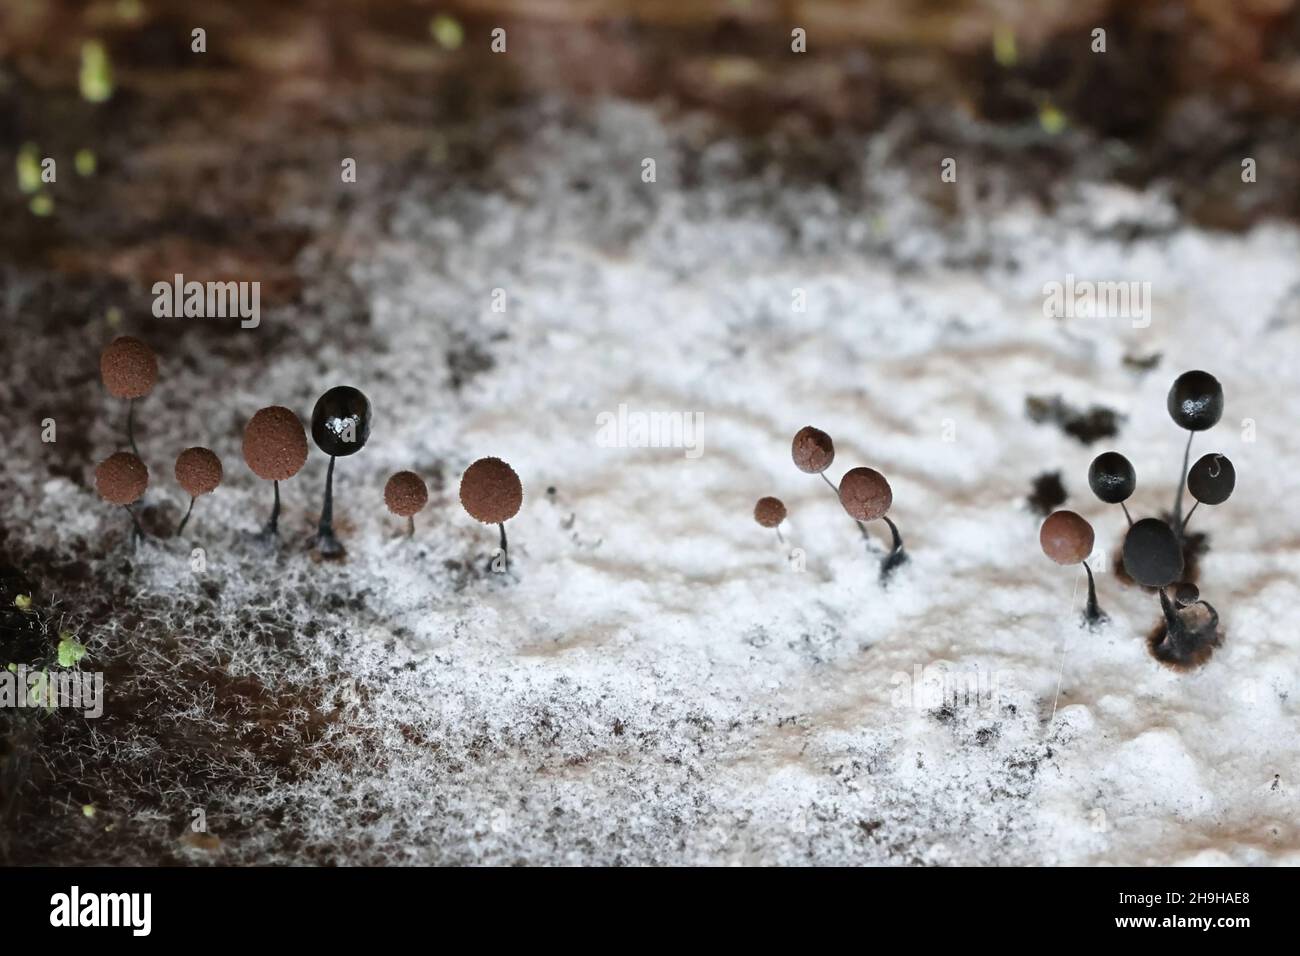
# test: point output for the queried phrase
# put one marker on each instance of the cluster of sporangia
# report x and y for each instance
(1153, 553)
(863, 492)
(275, 448)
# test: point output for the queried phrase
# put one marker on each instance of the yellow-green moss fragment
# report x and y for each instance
(70, 650)
(96, 72)
(28, 165)
(1051, 119)
(447, 31)
(1004, 47)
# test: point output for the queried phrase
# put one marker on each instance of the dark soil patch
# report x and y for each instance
(1047, 494)
(1085, 425)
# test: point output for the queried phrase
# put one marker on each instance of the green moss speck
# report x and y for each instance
(447, 31)
(70, 650)
(1051, 119)
(96, 72)
(28, 166)
(1004, 47)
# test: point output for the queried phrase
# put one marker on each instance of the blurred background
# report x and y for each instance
(1199, 84)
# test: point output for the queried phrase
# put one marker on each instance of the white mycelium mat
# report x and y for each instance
(662, 683)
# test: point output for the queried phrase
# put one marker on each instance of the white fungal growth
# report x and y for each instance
(661, 685)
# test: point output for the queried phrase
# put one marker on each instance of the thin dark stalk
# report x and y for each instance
(1182, 481)
(897, 555)
(1214, 616)
(1175, 632)
(138, 532)
(1167, 606)
(327, 511)
(1093, 614)
(1189, 517)
(898, 538)
(325, 539)
(779, 536)
(180, 529)
(1126, 514)
(410, 526)
(505, 548)
(273, 525)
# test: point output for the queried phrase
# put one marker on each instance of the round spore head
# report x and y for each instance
(340, 422)
(1153, 555)
(121, 478)
(865, 494)
(1066, 537)
(1196, 401)
(769, 511)
(490, 491)
(1212, 479)
(275, 443)
(128, 367)
(1111, 477)
(405, 494)
(198, 471)
(812, 450)
(1186, 594)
